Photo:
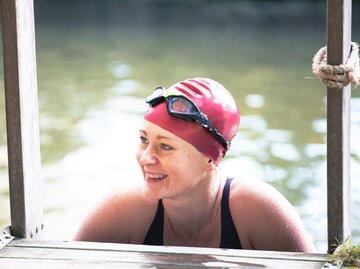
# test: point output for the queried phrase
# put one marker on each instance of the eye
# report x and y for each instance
(144, 140)
(166, 147)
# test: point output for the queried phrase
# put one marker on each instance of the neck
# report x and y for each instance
(189, 217)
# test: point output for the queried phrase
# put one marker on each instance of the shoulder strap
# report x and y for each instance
(154, 235)
(229, 235)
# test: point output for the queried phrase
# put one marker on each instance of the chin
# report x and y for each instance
(152, 194)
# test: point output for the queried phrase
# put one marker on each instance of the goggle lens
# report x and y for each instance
(178, 104)
(181, 107)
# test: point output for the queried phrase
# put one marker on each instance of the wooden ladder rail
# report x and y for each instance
(22, 124)
(338, 125)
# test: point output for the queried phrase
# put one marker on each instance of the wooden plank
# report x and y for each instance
(22, 117)
(5, 237)
(154, 261)
(68, 264)
(23, 243)
(338, 124)
(102, 255)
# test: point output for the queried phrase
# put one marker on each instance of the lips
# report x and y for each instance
(155, 176)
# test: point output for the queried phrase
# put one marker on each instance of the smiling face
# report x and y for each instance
(171, 166)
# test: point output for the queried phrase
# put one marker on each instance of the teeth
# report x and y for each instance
(156, 176)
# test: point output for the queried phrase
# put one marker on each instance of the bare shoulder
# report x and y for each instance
(247, 193)
(265, 219)
(122, 218)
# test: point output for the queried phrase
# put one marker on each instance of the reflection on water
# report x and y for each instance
(97, 61)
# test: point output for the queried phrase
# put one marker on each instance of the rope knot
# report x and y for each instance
(338, 76)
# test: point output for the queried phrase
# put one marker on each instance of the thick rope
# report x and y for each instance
(338, 76)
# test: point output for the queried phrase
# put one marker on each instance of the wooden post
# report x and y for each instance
(22, 118)
(338, 124)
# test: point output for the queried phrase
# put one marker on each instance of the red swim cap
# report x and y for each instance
(215, 102)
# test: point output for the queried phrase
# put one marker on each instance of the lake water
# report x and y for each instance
(97, 60)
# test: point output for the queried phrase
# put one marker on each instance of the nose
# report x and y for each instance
(147, 156)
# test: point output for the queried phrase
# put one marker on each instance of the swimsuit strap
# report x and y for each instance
(154, 235)
(229, 235)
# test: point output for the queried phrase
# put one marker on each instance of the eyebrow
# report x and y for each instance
(158, 136)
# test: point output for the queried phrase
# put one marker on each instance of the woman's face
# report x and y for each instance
(171, 166)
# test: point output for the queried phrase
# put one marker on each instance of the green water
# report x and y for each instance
(98, 60)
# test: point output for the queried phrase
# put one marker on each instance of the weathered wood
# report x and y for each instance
(22, 117)
(23, 243)
(5, 237)
(338, 124)
(41, 254)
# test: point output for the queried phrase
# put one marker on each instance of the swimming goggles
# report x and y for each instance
(181, 107)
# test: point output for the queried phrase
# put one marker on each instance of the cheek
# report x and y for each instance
(139, 152)
(200, 165)
(192, 166)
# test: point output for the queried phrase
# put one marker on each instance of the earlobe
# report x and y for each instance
(210, 166)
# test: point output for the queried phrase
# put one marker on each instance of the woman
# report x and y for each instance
(185, 199)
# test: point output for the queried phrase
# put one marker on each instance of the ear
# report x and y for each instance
(210, 166)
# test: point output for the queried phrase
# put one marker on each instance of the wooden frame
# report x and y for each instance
(23, 127)
(22, 117)
(338, 124)
(85, 255)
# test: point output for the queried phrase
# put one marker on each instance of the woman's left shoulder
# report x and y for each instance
(259, 198)
(253, 190)
(265, 219)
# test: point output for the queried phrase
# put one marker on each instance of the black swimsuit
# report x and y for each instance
(229, 236)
